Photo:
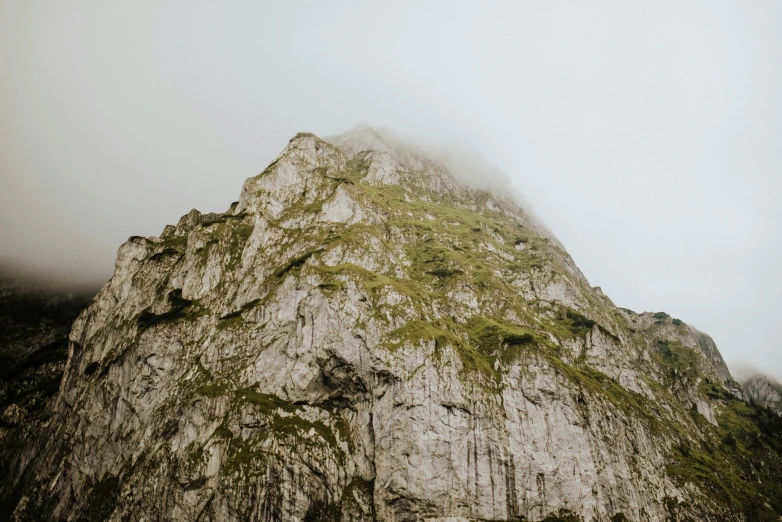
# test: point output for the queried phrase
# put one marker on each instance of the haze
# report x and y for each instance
(647, 136)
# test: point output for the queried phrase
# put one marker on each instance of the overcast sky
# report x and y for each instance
(647, 135)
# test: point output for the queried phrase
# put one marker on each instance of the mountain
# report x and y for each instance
(764, 390)
(364, 336)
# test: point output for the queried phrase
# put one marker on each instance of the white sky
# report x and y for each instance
(647, 135)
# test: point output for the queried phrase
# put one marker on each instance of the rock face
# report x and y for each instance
(764, 390)
(362, 337)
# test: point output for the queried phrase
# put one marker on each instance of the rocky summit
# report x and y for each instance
(764, 390)
(365, 337)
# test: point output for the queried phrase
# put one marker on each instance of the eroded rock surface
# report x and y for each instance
(764, 390)
(362, 337)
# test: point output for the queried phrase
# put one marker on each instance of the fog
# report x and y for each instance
(647, 136)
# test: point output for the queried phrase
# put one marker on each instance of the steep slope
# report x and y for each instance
(764, 390)
(362, 337)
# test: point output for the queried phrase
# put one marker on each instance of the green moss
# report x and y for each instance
(595, 384)
(267, 403)
(343, 429)
(223, 432)
(335, 278)
(242, 455)
(498, 339)
(298, 426)
(443, 273)
(212, 390)
(577, 323)
(680, 364)
(563, 515)
(240, 234)
(175, 243)
(737, 463)
(357, 498)
(417, 332)
(713, 391)
(285, 419)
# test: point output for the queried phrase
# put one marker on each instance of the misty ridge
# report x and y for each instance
(332, 336)
(464, 163)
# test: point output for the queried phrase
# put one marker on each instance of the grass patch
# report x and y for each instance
(268, 404)
(223, 433)
(737, 464)
(680, 364)
(497, 339)
(417, 332)
(212, 390)
(285, 418)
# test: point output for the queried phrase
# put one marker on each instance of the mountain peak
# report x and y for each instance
(364, 336)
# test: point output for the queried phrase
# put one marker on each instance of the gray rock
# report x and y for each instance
(361, 338)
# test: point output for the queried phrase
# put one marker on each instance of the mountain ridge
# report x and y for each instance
(363, 337)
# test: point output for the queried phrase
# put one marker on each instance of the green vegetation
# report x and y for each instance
(291, 423)
(497, 339)
(285, 420)
(222, 432)
(442, 273)
(175, 243)
(713, 391)
(356, 497)
(417, 332)
(575, 322)
(212, 390)
(268, 404)
(593, 383)
(227, 234)
(563, 515)
(680, 363)
(737, 464)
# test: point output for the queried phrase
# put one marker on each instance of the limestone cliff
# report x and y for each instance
(363, 337)
(764, 390)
